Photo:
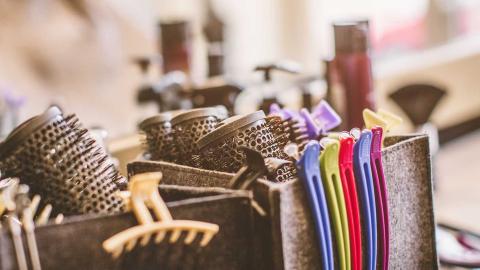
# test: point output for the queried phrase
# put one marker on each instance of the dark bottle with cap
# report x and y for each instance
(352, 66)
(175, 44)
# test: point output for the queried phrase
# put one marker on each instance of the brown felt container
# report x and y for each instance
(287, 234)
(77, 243)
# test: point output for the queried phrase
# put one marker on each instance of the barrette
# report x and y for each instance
(309, 173)
(326, 117)
(336, 201)
(143, 194)
(381, 196)
(365, 189)
(345, 164)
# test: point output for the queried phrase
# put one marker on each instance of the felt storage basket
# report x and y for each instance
(289, 226)
(76, 244)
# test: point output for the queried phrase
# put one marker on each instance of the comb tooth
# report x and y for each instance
(190, 236)
(131, 244)
(175, 235)
(117, 252)
(145, 239)
(160, 236)
(207, 236)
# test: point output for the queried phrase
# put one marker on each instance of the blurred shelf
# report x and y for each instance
(408, 62)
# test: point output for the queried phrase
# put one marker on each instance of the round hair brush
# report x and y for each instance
(159, 139)
(191, 125)
(56, 156)
(220, 149)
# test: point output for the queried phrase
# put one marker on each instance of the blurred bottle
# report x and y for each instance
(176, 46)
(353, 71)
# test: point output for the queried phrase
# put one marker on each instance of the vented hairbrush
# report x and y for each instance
(56, 156)
(159, 139)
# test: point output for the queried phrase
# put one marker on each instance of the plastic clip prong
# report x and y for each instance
(143, 196)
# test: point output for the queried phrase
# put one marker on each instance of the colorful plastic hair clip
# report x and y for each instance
(365, 189)
(312, 129)
(325, 116)
(381, 118)
(381, 196)
(309, 173)
(336, 202)
(345, 164)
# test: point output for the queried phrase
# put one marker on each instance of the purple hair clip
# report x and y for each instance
(312, 129)
(325, 116)
(284, 113)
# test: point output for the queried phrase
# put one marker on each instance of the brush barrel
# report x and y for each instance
(159, 139)
(220, 149)
(190, 126)
(61, 162)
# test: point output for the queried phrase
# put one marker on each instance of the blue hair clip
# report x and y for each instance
(363, 175)
(309, 173)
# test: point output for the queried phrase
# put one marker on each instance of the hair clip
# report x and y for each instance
(313, 131)
(309, 173)
(363, 176)
(256, 167)
(345, 164)
(326, 116)
(355, 133)
(381, 118)
(144, 195)
(336, 202)
(253, 169)
(381, 195)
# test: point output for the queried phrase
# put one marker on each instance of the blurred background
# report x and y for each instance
(115, 62)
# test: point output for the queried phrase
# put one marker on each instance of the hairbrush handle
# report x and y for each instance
(363, 176)
(345, 164)
(309, 173)
(381, 196)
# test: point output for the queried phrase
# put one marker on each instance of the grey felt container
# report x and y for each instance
(76, 244)
(288, 227)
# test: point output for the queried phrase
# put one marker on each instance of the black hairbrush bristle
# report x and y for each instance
(298, 132)
(60, 161)
(280, 129)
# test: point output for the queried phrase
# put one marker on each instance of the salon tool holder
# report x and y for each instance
(287, 238)
(58, 159)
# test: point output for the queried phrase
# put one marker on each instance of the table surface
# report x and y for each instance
(457, 181)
